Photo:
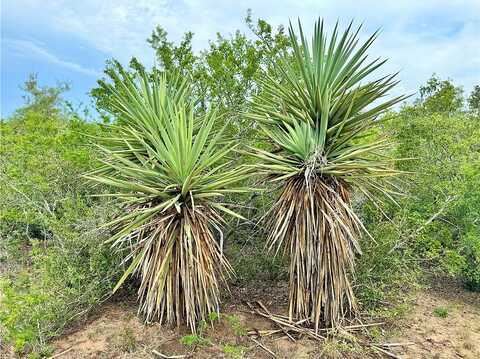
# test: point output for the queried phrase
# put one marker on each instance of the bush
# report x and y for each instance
(386, 270)
(68, 275)
(53, 266)
(471, 252)
(439, 217)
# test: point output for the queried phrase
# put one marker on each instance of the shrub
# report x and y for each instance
(65, 279)
(385, 271)
(470, 249)
(54, 267)
(439, 217)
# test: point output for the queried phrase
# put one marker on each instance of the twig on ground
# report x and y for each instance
(286, 324)
(360, 326)
(288, 327)
(170, 356)
(61, 353)
(391, 355)
(263, 347)
(283, 329)
(395, 344)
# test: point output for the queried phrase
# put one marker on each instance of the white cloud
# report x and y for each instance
(116, 28)
(29, 49)
(419, 37)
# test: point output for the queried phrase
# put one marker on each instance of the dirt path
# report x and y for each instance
(444, 323)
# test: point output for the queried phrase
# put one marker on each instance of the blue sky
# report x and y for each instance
(70, 40)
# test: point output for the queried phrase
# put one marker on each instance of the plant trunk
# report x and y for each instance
(184, 267)
(314, 220)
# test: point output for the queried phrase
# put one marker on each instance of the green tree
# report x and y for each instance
(225, 74)
(441, 96)
(474, 100)
(171, 57)
(45, 100)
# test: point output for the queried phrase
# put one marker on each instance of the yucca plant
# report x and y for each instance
(319, 111)
(169, 168)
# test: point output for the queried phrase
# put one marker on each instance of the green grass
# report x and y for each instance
(234, 351)
(195, 340)
(440, 312)
(237, 327)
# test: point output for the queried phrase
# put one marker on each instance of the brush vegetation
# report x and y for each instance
(169, 181)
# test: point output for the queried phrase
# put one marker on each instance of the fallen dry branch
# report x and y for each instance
(386, 352)
(395, 344)
(60, 354)
(297, 328)
(170, 356)
(289, 327)
(285, 325)
(263, 347)
(283, 329)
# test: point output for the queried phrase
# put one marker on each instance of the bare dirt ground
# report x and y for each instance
(444, 322)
